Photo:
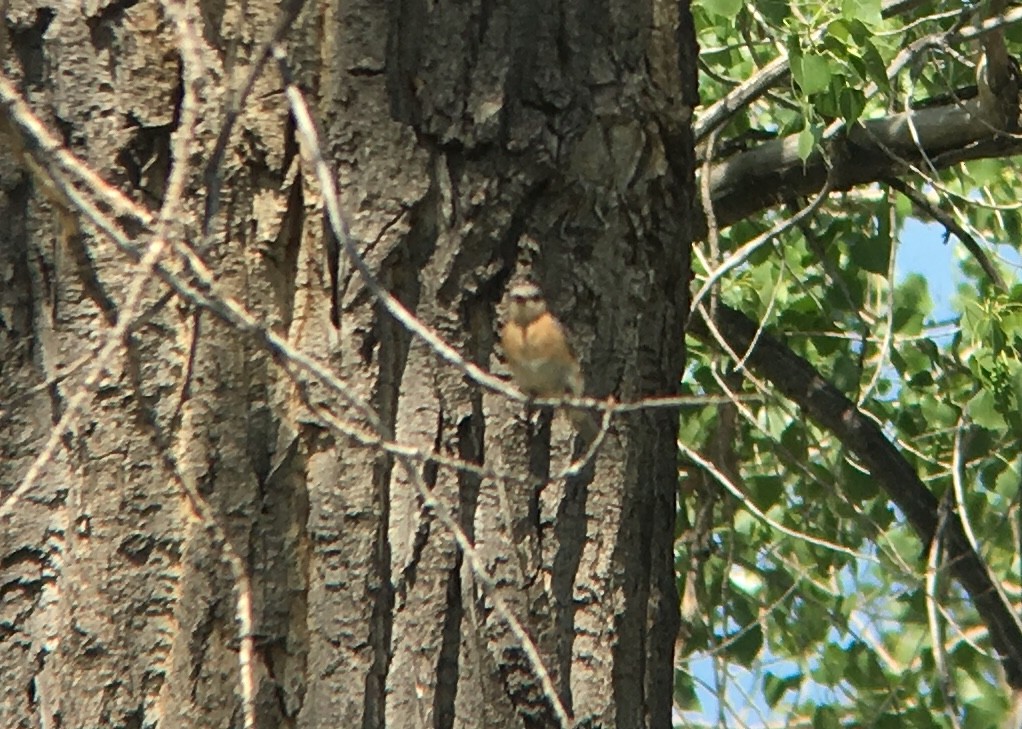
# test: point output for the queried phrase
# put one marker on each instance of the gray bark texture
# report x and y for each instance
(196, 529)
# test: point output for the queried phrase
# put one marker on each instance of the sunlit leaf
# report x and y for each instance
(722, 8)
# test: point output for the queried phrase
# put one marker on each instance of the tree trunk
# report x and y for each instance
(198, 531)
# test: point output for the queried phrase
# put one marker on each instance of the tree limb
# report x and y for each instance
(772, 74)
(778, 70)
(828, 407)
(876, 149)
(873, 150)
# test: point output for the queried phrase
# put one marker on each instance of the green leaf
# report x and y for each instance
(851, 103)
(845, 373)
(806, 143)
(872, 253)
(826, 717)
(722, 8)
(876, 68)
(985, 172)
(1007, 481)
(685, 696)
(814, 74)
(746, 646)
(866, 11)
(745, 523)
(982, 409)
(766, 490)
(774, 686)
(856, 485)
(937, 412)
(911, 305)
(745, 580)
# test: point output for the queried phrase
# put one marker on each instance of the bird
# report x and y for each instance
(539, 356)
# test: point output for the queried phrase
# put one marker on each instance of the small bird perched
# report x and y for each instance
(538, 354)
(536, 346)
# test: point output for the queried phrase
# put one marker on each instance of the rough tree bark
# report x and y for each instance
(474, 142)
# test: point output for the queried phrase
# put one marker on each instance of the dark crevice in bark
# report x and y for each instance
(104, 24)
(571, 528)
(380, 593)
(143, 162)
(470, 439)
(27, 42)
(447, 670)
(284, 257)
(632, 641)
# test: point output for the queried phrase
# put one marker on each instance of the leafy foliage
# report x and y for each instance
(832, 629)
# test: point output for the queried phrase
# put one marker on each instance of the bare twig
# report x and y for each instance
(732, 489)
(740, 255)
(971, 244)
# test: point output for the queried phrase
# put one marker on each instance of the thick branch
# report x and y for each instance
(772, 74)
(829, 408)
(876, 149)
(873, 150)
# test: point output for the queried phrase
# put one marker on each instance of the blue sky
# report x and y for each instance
(921, 249)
